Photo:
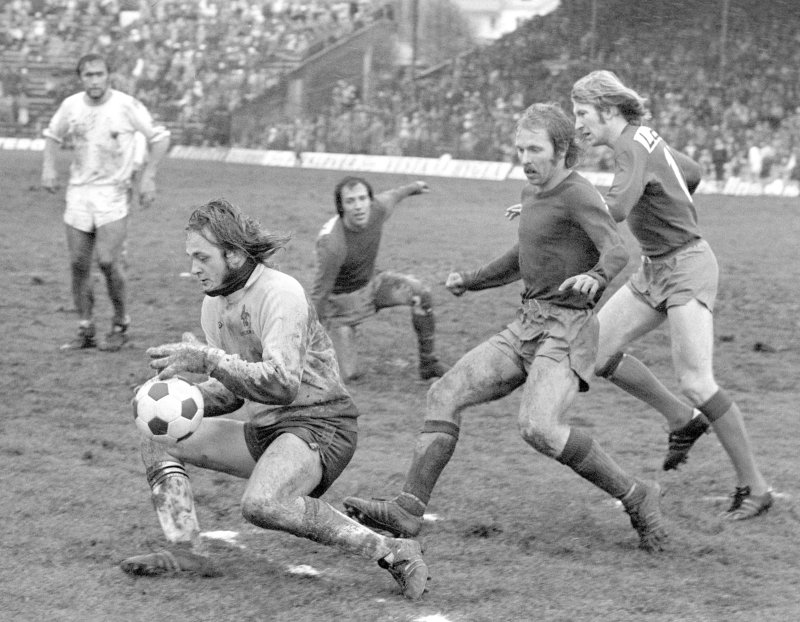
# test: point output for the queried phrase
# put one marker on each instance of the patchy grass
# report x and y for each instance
(518, 536)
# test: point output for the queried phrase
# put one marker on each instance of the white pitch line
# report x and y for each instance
(304, 570)
(436, 617)
(229, 537)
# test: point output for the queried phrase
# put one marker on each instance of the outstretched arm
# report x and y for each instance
(390, 198)
(501, 271)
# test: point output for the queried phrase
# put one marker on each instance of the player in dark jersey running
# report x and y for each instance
(269, 360)
(677, 282)
(347, 289)
(569, 250)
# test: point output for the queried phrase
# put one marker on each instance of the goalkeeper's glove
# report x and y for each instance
(189, 355)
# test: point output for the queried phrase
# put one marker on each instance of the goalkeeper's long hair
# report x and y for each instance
(224, 225)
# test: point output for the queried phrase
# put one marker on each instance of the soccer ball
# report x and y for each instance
(168, 411)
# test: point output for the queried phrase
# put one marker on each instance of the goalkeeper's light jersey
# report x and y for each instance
(103, 136)
(650, 190)
(274, 341)
(563, 232)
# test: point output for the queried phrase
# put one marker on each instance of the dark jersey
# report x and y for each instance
(651, 189)
(346, 259)
(563, 232)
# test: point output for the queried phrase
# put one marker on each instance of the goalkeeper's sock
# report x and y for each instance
(173, 501)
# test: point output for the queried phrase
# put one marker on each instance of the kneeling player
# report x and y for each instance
(265, 347)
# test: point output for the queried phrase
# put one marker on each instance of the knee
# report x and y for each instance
(442, 401)
(261, 510)
(696, 387)
(537, 436)
(80, 265)
(106, 264)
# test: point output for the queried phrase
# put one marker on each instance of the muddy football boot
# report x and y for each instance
(644, 510)
(384, 515)
(407, 567)
(169, 561)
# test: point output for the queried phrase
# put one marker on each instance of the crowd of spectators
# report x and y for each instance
(729, 101)
(192, 61)
(734, 108)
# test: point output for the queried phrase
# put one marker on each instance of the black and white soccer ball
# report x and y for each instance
(168, 411)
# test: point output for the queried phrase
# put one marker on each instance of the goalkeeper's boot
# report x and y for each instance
(745, 505)
(172, 560)
(384, 515)
(643, 506)
(406, 565)
(83, 340)
(117, 337)
(681, 441)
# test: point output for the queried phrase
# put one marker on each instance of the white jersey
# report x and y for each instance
(103, 137)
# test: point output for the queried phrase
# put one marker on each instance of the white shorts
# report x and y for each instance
(89, 207)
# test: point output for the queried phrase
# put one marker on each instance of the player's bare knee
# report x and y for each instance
(695, 387)
(263, 510)
(443, 399)
(537, 437)
(107, 265)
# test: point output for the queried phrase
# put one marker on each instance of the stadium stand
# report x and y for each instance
(730, 101)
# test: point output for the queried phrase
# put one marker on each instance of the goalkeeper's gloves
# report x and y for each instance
(189, 355)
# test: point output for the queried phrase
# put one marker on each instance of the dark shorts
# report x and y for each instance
(689, 274)
(385, 289)
(544, 329)
(335, 437)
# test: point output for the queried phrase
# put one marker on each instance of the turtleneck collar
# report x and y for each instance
(236, 280)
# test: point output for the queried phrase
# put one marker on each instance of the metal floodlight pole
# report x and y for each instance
(723, 40)
(414, 36)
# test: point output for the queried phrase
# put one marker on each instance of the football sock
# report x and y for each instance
(584, 456)
(424, 326)
(728, 424)
(173, 501)
(634, 377)
(435, 446)
(716, 406)
(322, 523)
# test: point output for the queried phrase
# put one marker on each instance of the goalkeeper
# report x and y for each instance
(267, 358)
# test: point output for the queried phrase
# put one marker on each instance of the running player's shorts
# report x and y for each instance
(385, 289)
(89, 207)
(555, 332)
(691, 273)
(330, 429)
